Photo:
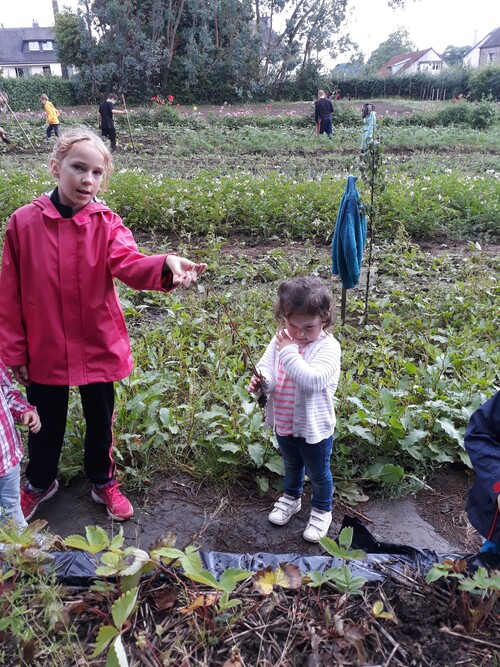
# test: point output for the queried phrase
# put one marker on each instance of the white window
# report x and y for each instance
(22, 71)
(490, 58)
(47, 46)
(34, 46)
(46, 70)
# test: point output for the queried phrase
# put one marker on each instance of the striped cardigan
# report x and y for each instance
(316, 376)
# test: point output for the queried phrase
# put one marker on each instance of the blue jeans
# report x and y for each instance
(301, 457)
(10, 498)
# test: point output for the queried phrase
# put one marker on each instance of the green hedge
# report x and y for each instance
(449, 83)
(24, 93)
(476, 115)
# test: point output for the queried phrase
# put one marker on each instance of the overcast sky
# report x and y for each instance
(431, 23)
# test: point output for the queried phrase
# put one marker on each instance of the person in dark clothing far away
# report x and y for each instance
(106, 120)
(482, 443)
(323, 110)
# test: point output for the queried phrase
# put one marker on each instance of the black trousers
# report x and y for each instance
(325, 125)
(51, 128)
(44, 447)
(110, 133)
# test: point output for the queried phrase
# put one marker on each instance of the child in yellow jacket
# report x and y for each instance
(52, 116)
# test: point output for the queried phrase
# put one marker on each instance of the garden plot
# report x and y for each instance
(191, 448)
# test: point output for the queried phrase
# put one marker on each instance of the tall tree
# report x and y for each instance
(454, 55)
(77, 46)
(351, 68)
(218, 48)
(296, 33)
(398, 43)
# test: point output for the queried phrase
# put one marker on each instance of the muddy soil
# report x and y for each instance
(236, 521)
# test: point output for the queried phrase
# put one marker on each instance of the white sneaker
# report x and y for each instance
(284, 509)
(317, 526)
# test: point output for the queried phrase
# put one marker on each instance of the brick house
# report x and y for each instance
(426, 61)
(485, 52)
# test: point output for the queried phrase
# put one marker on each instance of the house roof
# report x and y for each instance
(13, 46)
(407, 58)
(493, 40)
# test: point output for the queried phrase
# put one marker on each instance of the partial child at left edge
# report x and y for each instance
(13, 408)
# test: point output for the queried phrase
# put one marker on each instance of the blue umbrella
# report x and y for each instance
(349, 237)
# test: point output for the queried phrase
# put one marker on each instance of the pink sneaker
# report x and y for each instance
(31, 499)
(117, 506)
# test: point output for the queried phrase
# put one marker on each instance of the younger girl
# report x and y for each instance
(299, 372)
(62, 323)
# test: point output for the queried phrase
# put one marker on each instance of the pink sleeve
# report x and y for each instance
(139, 271)
(13, 343)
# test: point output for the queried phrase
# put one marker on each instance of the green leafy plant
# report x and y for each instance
(479, 592)
(341, 576)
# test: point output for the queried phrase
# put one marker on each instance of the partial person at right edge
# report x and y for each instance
(106, 121)
(482, 442)
(323, 110)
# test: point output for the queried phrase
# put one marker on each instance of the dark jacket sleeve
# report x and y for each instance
(482, 442)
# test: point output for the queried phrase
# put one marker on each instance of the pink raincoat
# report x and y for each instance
(59, 310)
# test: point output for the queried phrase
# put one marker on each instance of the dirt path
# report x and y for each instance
(237, 521)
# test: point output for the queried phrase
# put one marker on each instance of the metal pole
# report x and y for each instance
(128, 121)
(22, 128)
(343, 303)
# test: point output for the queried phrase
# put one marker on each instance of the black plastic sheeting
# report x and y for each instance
(77, 568)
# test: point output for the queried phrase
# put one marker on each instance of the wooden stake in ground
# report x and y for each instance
(17, 120)
(128, 121)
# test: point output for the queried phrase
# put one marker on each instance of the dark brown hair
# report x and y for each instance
(305, 295)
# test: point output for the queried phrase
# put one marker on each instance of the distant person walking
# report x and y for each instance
(369, 125)
(106, 121)
(4, 102)
(323, 110)
(52, 116)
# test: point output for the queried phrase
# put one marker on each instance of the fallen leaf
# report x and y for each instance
(264, 580)
(234, 659)
(28, 650)
(201, 601)
(165, 598)
(285, 575)
(165, 541)
(288, 576)
(355, 635)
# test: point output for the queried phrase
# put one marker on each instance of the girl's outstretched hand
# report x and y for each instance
(21, 374)
(32, 419)
(184, 271)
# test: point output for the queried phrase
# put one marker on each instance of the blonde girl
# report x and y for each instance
(62, 322)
